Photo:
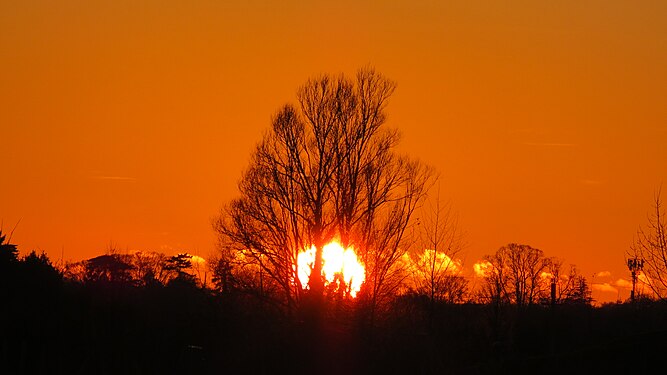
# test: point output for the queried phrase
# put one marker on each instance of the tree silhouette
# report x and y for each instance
(8, 252)
(580, 293)
(38, 270)
(516, 275)
(179, 264)
(239, 272)
(326, 170)
(569, 287)
(149, 268)
(651, 246)
(8, 264)
(108, 268)
(436, 273)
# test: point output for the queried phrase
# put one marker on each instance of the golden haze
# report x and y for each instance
(129, 122)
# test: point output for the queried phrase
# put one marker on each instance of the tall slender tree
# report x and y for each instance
(326, 170)
(436, 271)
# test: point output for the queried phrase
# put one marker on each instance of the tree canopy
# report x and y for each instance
(326, 170)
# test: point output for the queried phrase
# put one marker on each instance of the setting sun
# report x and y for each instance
(339, 264)
(368, 186)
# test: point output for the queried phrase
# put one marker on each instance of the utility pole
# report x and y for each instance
(635, 265)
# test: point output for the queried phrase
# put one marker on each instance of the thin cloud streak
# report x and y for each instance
(522, 130)
(114, 178)
(622, 283)
(605, 287)
(546, 144)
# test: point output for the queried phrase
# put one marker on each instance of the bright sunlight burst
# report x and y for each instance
(340, 265)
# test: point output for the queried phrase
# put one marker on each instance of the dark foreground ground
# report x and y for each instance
(61, 328)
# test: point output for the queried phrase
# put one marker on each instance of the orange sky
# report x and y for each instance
(129, 122)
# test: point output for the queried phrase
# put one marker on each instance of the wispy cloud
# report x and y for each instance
(603, 274)
(623, 283)
(548, 144)
(114, 178)
(605, 287)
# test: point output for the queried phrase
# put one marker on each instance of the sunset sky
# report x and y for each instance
(129, 122)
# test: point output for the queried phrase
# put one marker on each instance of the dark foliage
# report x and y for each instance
(52, 325)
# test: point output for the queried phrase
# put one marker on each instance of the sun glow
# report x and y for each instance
(483, 268)
(338, 265)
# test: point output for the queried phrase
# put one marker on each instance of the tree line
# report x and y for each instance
(149, 312)
(327, 170)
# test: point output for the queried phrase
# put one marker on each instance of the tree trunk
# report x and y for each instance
(316, 282)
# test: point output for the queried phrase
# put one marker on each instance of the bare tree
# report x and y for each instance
(326, 170)
(516, 275)
(149, 267)
(651, 246)
(494, 288)
(568, 287)
(240, 272)
(436, 269)
(73, 271)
